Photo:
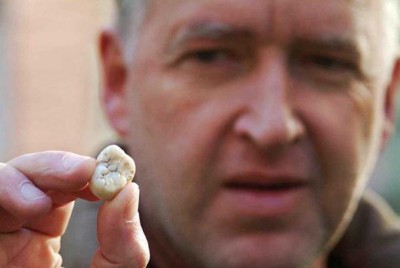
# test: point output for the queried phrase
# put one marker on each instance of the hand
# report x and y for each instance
(36, 200)
(121, 238)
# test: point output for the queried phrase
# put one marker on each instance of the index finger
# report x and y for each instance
(33, 184)
(56, 170)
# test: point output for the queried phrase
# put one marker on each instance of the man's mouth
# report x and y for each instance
(265, 196)
(265, 187)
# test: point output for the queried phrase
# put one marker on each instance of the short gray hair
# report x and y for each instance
(128, 12)
(130, 15)
(397, 2)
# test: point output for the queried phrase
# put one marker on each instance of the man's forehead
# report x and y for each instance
(280, 7)
(263, 12)
(355, 3)
(340, 17)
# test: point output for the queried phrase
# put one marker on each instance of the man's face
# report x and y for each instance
(254, 125)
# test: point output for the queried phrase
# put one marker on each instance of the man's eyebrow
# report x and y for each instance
(208, 30)
(350, 46)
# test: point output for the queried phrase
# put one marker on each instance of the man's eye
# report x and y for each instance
(328, 63)
(209, 56)
(216, 63)
(326, 68)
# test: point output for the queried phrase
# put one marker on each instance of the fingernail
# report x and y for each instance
(29, 192)
(71, 160)
(131, 211)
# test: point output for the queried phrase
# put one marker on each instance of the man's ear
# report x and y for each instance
(390, 103)
(115, 76)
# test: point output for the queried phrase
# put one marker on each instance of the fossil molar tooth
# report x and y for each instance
(113, 171)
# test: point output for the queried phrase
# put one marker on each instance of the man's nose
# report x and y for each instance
(269, 118)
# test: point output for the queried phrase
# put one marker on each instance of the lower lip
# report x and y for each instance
(265, 203)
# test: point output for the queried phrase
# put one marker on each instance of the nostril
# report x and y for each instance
(275, 130)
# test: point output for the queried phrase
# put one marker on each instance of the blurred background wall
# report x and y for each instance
(49, 97)
(49, 76)
(49, 93)
(7, 126)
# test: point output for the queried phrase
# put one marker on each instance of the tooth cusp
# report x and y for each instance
(113, 171)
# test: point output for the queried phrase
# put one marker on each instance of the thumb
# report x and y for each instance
(121, 238)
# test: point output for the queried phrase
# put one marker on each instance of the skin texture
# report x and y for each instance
(255, 124)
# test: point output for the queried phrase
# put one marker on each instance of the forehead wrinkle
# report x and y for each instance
(209, 30)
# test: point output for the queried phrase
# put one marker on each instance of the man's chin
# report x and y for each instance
(262, 250)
